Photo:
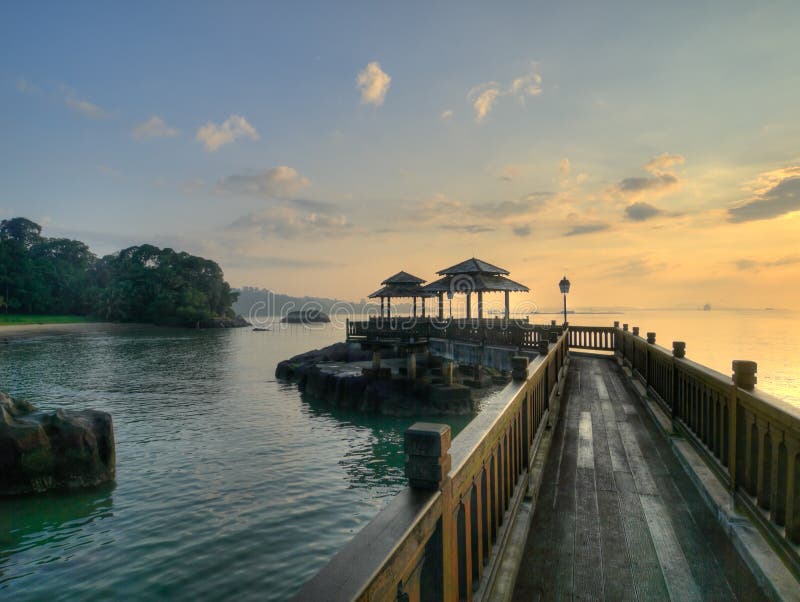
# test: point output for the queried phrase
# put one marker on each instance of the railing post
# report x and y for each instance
(519, 367)
(744, 374)
(651, 340)
(678, 352)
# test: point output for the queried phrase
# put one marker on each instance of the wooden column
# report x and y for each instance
(508, 312)
(389, 308)
(480, 305)
(381, 307)
(422, 300)
(441, 306)
(469, 306)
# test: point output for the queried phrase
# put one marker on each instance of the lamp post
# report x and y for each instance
(564, 286)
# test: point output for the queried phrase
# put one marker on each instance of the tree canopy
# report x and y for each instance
(142, 283)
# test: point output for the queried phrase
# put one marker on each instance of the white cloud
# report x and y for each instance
(662, 163)
(484, 96)
(446, 115)
(155, 127)
(214, 136)
(26, 87)
(292, 222)
(564, 167)
(483, 103)
(275, 182)
(374, 83)
(84, 107)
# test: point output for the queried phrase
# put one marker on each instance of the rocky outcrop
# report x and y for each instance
(53, 450)
(237, 322)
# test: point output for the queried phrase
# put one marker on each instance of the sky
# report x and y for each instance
(649, 151)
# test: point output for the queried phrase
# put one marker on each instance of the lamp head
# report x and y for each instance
(564, 285)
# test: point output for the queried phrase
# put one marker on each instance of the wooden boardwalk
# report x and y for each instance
(617, 518)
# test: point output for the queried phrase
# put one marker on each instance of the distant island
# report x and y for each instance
(42, 277)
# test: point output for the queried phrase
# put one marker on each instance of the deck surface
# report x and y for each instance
(617, 518)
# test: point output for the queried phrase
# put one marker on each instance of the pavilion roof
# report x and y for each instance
(472, 283)
(403, 278)
(473, 266)
(402, 290)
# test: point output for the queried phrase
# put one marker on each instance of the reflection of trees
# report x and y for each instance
(29, 520)
(375, 461)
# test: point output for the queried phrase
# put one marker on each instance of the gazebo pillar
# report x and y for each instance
(415, 306)
(389, 308)
(381, 308)
(469, 306)
(480, 305)
(508, 313)
(441, 306)
(422, 300)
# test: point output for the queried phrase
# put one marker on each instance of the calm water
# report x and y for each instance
(231, 484)
(228, 483)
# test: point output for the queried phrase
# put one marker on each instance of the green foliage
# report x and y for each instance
(138, 284)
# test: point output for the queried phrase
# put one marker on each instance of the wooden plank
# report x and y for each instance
(648, 580)
(588, 565)
(618, 579)
(585, 442)
(680, 582)
(641, 474)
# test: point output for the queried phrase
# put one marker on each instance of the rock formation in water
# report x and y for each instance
(53, 450)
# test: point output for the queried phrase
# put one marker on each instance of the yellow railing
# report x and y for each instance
(438, 539)
(750, 439)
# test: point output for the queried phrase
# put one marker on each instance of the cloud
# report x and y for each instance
(776, 193)
(522, 230)
(214, 136)
(754, 265)
(564, 167)
(587, 228)
(84, 107)
(483, 102)
(269, 261)
(662, 178)
(291, 222)
(374, 83)
(276, 182)
(639, 212)
(155, 127)
(467, 228)
(446, 115)
(484, 96)
(26, 87)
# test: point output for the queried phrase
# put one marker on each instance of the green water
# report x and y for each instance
(229, 484)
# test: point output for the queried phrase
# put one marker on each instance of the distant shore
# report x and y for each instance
(13, 331)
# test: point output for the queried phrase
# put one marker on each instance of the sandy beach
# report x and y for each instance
(15, 331)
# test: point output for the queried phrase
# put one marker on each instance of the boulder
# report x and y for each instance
(53, 450)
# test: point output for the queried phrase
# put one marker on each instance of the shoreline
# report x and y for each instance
(16, 331)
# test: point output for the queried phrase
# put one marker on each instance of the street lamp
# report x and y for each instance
(564, 286)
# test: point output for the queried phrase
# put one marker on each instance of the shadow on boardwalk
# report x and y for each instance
(617, 518)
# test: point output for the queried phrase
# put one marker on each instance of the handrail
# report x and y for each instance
(750, 439)
(437, 544)
(485, 331)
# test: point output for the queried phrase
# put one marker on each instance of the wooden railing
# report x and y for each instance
(750, 439)
(441, 543)
(596, 338)
(486, 331)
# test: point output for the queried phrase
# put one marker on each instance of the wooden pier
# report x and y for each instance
(609, 468)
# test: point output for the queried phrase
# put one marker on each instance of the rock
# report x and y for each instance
(237, 322)
(50, 450)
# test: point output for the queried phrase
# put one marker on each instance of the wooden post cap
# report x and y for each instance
(744, 374)
(636, 331)
(625, 327)
(616, 323)
(519, 367)
(544, 347)
(678, 349)
(552, 322)
(651, 338)
(553, 336)
(426, 446)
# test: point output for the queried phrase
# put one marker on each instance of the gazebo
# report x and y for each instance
(473, 276)
(402, 285)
